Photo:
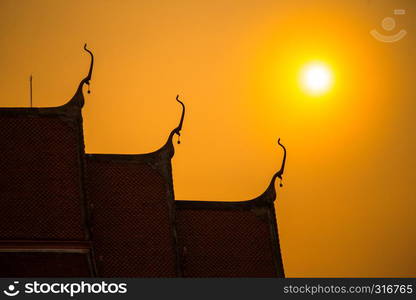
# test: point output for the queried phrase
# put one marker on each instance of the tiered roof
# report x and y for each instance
(67, 213)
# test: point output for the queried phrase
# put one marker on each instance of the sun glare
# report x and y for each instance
(316, 78)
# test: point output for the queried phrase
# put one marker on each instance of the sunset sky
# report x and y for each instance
(348, 204)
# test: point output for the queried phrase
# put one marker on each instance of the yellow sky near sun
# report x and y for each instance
(347, 207)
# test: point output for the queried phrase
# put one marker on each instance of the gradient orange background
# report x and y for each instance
(347, 207)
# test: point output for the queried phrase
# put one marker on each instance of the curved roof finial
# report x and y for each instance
(87, 79)
(270, 194)
(282, 168)
(178, 129)
(78, 98)
(279, 174)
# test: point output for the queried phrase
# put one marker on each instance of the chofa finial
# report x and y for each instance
(269, 194)
(88, 78)
(178, 129)
(282, 168)
(78, 98)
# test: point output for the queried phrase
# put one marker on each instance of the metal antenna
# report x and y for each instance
(31, 99)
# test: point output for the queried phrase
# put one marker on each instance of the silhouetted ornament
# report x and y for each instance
(178, 129)
(78, 98)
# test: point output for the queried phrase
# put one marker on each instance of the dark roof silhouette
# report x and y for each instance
(66, 213)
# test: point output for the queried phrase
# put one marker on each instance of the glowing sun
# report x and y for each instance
(316, 78)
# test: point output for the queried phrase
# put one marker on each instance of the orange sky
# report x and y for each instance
(348, 205)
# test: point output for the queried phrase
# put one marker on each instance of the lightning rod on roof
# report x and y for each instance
(31, 97)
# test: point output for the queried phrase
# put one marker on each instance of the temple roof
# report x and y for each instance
(115, 215)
